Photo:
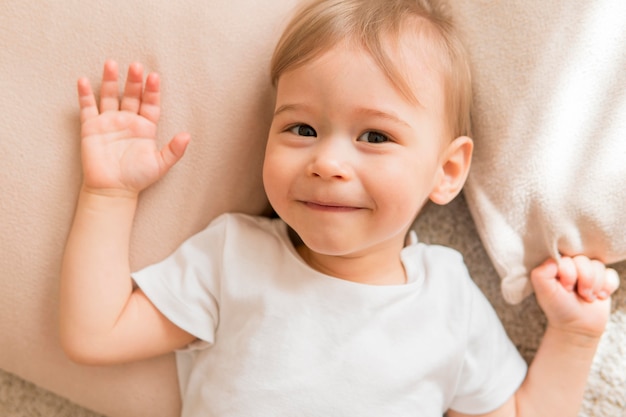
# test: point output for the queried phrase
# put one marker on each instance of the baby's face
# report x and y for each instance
(349, 160)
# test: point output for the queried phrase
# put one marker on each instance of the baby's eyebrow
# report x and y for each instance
(366, 111)
(289, 107)
(361, 111)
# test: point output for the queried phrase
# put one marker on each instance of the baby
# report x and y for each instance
(333, 309)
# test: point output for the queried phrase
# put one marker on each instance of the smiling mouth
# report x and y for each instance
(329, 207)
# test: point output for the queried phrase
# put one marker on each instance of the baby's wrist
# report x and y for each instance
(575, 337)
(114, 193)
(110, 201)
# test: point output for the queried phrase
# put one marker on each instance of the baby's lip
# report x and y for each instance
(330, 205)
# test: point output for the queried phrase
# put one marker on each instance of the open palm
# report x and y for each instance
(118, 148)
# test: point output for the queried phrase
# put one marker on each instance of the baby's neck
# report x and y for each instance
(377, 268)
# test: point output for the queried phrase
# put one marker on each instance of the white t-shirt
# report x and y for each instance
(281, 339)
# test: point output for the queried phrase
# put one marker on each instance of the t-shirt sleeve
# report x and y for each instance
(185, 286)
(493, 368)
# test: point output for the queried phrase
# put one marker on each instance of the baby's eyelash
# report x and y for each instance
(302, 129)
(373, 136)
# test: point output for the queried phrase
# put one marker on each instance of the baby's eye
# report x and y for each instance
(373, 137)
(303, 130)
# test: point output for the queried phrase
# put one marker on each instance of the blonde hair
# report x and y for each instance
(325, 23)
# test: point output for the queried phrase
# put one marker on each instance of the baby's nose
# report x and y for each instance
(331, 159)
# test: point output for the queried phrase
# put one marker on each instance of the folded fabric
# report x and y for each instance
(549, 174)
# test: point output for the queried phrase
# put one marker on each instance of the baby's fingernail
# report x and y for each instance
(589, 295)
(603, 295)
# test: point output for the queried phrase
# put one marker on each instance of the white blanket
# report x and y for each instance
(549, 174)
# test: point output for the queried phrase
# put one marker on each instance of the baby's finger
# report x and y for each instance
(109, 93)
(86, 100)
(610, 284)
(131, 100)
(599, 279)
(543, 279)
(586, 285)
(150, 105)
(567, 273)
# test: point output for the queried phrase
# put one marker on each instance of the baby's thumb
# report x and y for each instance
(174, 150)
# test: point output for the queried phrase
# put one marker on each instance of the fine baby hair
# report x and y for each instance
(378, 26)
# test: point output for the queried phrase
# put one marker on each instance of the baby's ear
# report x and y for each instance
(455, 163)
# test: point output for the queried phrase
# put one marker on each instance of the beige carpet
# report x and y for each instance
(19, 398)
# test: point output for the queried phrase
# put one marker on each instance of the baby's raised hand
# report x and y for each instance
(118, 148)
(575, 293)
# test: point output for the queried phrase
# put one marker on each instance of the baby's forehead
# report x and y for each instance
(414, 61)
(409, 54)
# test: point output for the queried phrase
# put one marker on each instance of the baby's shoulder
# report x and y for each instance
(436, 259)
(441, 270)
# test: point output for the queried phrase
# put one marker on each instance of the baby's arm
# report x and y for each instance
(102, 318)
(575, 296)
